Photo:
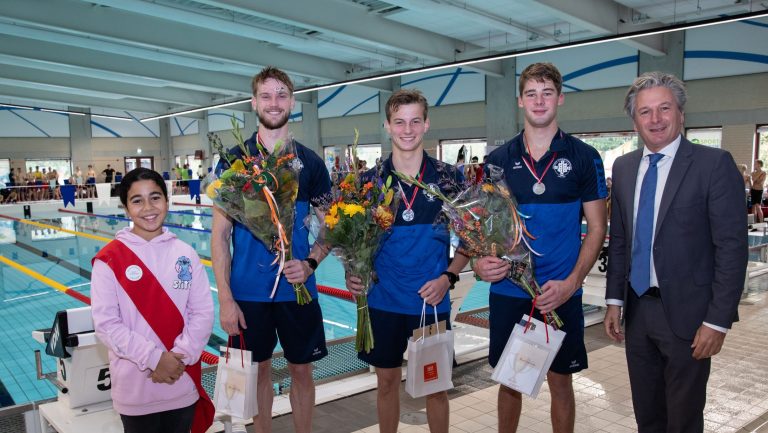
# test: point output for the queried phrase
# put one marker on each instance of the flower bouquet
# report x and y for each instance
(488, 222)
(357, 213)
(259, 191)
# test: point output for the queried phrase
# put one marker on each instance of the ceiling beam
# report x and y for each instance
(351, 21)
(180, 76)
(474, 14)
(76, 84)
(81, 101)
(175, 38)
(651, 44)
(601, 17)
(260, 33)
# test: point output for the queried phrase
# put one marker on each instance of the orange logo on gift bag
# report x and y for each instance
(430, 372)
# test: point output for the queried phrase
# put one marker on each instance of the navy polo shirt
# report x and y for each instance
(416, 251)
(253, 274)
(576, 176)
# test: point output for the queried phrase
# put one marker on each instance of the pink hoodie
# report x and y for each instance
(134, 348)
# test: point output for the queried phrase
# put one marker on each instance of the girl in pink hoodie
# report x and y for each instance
(152, 308)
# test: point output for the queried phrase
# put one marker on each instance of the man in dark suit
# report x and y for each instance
(677, 258)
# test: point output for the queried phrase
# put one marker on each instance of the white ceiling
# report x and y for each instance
(168, 55)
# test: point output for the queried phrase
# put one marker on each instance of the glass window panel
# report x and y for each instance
(610, 145)
(711, 137)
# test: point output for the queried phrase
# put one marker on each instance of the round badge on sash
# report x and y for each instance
(134, 273)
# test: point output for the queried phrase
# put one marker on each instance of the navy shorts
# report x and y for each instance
(299, 328)
(391, 332)
(506, 311)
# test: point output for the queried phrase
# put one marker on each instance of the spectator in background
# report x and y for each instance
(8, 196)
(77, 178)
(460, 159)
(109, 173)
(91, 181)
(473, 172)
(756, 191)
(177, 177)
(42, 185)
(745, 174)
(200, 172)
(609, 184)
(186, 174)
(53, 180)
(29, 181)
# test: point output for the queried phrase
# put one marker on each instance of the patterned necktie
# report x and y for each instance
(640, 275)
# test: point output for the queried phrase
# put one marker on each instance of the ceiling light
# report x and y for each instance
(53, 110)
(195, 110)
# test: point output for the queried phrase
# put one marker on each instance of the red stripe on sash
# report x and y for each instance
(162, 315)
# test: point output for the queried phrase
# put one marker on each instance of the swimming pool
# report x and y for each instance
(65, 257)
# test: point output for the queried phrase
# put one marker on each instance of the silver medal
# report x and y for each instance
(408, 215)
(539, 188)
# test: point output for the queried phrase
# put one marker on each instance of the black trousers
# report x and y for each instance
(668, 385)
(170, 421)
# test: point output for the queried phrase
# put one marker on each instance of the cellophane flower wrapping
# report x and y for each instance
(359, 210)
(259, 191)
(486, 219)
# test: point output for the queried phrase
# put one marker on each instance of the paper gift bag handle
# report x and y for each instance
(242, 347)
(423, 321)
(530, 316)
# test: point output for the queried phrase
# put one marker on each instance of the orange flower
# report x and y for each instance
(347, 186)
(285, 158)
(383, 217)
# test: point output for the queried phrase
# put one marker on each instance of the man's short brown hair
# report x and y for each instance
(405, 97)
(271, 72)
(541, 72)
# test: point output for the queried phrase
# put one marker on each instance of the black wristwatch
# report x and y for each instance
(312, 263)
(452, 278)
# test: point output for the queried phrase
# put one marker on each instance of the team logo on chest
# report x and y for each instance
(562, 167)
(184, 269)
(428, 192)
(296, 164)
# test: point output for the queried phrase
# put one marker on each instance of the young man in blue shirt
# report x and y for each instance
(245, 276)
(412, 265)
(556, 178)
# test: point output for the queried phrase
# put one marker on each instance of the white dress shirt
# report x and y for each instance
(663, 168)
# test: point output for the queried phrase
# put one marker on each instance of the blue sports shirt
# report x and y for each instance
(576, 176)
(416, 251)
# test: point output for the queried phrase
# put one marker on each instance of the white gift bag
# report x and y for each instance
(529, 353)
(236, 378)
(430, 358)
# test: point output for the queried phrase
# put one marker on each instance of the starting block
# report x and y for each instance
(82, 376)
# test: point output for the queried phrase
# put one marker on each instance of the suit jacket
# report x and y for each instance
(700, 241)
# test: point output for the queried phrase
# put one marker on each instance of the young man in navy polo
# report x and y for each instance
(245, 276)
(413, 263)
(556, 179)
